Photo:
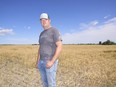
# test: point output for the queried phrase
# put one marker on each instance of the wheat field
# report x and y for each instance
(79, 66)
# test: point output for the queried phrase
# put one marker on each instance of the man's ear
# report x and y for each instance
(50, 20)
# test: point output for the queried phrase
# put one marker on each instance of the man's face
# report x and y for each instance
(45, 22)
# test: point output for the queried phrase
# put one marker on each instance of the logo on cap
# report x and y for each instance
(44, 15)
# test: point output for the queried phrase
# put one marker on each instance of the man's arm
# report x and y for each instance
(57, 52)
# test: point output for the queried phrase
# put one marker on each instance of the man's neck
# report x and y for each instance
(46, 28)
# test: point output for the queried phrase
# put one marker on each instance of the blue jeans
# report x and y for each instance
(48, 76)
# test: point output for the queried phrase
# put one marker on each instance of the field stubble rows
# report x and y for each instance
(79, 66)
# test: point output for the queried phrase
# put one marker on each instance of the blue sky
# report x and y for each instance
(79, 21)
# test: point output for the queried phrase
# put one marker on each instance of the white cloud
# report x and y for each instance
(106, 16)
(93, 23)
(18, 40)
(27, 27)
(93, 34)
(113, 21)
(84, 26)
(4, 32)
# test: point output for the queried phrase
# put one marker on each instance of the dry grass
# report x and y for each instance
(79, 66)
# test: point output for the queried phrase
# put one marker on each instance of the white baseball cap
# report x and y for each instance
(44, 15)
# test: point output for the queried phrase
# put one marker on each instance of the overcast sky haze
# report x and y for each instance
(79, 21)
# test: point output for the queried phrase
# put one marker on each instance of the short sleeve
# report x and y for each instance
(57, 36)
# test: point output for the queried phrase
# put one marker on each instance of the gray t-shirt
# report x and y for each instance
(47, 41)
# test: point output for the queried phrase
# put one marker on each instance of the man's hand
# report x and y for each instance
(49, 64)
(36, 65)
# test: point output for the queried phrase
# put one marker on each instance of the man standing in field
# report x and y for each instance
(50, 47)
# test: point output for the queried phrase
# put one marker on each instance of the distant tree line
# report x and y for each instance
(35, 44)
(108, 42)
